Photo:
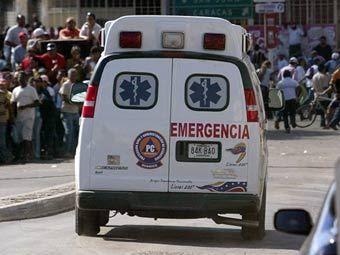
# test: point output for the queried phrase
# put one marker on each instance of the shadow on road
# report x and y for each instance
(298, 134)
(200, 237)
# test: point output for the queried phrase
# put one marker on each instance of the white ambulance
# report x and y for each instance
(173, 126)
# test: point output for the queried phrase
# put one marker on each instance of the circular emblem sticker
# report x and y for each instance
(149, 148)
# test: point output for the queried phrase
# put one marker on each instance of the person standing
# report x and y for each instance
(70, 31)
(265, 74)
(48, 113)
(288, 86)
(332, 64)
(58, 140)
(293, 63)
(36, 136)
(335, 106)
(76, 62)
(52, 61)
(295, 35)
(257, 57)
(320, 83)
(333, 110)
(36, 23)
(91, 61)
(91, 29)
(24, 100)
(12, 36)
(69, 114)
(323, 49)
(5, 155)
(19, 52)
(281, 61)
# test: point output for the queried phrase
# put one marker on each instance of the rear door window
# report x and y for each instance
(207, 92)
(135, 90)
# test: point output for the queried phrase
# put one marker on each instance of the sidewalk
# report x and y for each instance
(36, 204)
(36, 190)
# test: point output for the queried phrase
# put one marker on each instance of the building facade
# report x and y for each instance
(54, 12)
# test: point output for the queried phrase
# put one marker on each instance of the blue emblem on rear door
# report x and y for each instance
(134, 90)
(207, 92)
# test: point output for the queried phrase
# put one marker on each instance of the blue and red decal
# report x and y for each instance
(222, 187)
(150, 148)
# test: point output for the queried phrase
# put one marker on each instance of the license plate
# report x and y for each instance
(202, 151)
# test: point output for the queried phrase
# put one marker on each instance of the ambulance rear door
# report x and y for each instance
(130, 137)
(209, 132)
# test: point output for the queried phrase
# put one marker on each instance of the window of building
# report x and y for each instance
(149, 7)
(304, 12)
(63, 4)
(120, 3)
(92, 3)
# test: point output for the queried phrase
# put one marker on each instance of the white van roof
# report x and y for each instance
(193, 28)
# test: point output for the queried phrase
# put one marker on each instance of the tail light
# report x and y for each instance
(130, 39)
(214, 41)
(90, 102)
(251, 106)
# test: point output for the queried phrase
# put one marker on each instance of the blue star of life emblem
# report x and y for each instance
(205, 93)
(135, 90)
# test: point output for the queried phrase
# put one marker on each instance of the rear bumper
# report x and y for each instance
(153, 203)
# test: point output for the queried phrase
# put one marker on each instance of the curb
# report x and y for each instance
(40, 207)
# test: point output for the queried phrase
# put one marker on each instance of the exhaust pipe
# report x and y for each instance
(235, 222)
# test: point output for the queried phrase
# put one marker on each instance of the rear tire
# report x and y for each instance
(104, 217)
(87, 222)
(257, 233)
(305, 115)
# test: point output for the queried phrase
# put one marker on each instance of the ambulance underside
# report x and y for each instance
(110, 169)
(168, 205)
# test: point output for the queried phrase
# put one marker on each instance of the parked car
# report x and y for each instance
(322, 236)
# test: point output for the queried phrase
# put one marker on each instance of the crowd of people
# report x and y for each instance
(303, 78)
(37, 118)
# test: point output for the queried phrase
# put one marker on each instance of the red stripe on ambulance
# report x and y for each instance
(209, 130)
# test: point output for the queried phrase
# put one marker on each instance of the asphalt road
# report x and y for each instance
(22, 178)
(301, 167)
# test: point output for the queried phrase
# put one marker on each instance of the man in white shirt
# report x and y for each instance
(288, 86)
(320, 83)
(295, 40)
(90, 30)
(12, 37)
(293, 63)
(24, 99)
